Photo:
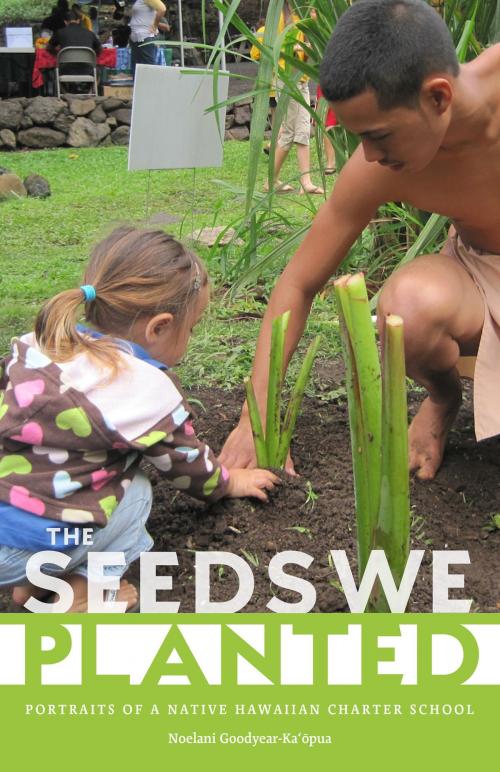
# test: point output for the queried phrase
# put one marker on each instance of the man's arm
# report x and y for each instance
(359, 191)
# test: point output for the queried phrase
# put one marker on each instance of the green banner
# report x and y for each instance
(394, 691)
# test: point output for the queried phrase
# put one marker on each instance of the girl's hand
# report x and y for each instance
(251, 482)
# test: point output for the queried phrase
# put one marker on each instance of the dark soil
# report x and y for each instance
(451, 512)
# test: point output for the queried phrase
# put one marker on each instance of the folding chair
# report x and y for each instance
(76, 55)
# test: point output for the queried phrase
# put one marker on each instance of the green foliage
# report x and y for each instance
(273, 443)
(13, 11)
(252, 557)
(45, 244)
(302, 529)
(311, 497)
(494, 523)
(378, 419)
(481, 13)
(399, 232)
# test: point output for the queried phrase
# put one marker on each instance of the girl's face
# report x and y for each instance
(167, 338)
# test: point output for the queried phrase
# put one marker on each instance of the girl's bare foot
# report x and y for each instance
(127, 593)
(23, 592)
(428, 433)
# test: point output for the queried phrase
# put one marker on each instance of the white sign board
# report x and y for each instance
(170, 126)
(19, 37)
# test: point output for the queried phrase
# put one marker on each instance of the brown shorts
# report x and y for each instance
(484, 269)
(296, 126)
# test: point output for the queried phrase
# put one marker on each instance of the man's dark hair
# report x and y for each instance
(389, 46)
(72, 16)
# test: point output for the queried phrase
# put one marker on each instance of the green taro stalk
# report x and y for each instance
(393, 524)
(379, 430)
(272, 447)
(363, 381)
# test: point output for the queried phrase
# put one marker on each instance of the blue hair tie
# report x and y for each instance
(89, 292)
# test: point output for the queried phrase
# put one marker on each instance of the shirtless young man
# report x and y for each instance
(430, 136)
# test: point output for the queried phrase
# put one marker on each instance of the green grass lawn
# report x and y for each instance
(45, 243)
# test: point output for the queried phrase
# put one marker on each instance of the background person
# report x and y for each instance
(94, 18)
(57, 16)
(330, 123)
(296, 126)
(73, 34)
(85, 20)
(255, 55)
(144, 19)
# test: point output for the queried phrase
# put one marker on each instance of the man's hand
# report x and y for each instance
(239, 450)
(251, 482)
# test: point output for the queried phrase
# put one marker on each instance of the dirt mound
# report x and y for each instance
(315, 513)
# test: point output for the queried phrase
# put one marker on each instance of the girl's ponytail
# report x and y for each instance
(55, 325)
(58, 337)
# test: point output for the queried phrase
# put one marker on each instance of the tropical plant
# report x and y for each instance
(482, 14)
(399, 232)
(13, 11)
(379, 430)
(272, 446)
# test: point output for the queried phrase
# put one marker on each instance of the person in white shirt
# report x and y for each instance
(144, 29)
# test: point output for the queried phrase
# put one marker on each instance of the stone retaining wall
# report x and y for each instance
(76, 121)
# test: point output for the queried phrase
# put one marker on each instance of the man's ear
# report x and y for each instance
(157, 326)
(437, 93)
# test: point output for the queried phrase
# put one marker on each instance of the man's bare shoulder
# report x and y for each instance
(370, 181)
(487, 63)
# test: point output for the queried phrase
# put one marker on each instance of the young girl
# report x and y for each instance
(81, 406)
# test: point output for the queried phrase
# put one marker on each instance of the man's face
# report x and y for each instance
(401, 138)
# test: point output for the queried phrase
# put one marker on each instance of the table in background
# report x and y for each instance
(44, 60)
(16, 65)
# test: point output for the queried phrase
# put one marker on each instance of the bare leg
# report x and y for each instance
(272, 111)
(430, 427)
(304, 160)
(443, 313)
(127, 593)
(280, 157)
(329, 152)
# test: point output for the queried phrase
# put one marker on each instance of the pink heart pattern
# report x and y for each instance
(26, 392)
(31, 434)
(188, 428)
(20, 497)
(100, 478)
